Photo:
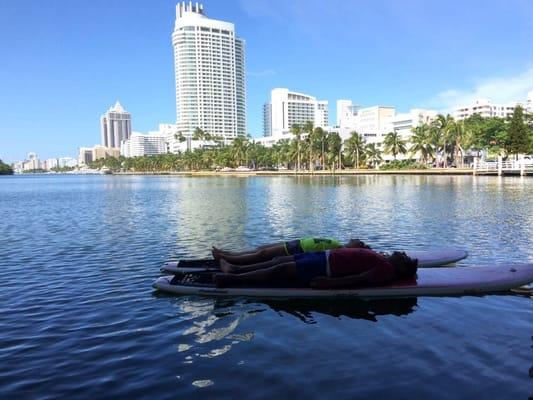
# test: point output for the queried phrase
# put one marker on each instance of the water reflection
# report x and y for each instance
(306, 310)
(209, 328)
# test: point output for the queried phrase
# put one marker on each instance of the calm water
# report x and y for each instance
(79, 319)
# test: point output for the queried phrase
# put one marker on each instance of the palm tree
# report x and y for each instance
(285, 152)
(394, 144)
(421, 142)
(198, 134)
(309, 128)
(334, 148)
(461, 136)
(179, 136)
(296, 130)
(355, 147)
(443, 134)
(320, 137)
(373, 154)
(240, 150)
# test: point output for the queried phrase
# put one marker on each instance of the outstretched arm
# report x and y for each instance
(324, 282)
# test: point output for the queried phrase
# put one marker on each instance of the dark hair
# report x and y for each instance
(404, 266)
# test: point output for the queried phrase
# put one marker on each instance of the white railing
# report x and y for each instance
(499, 167)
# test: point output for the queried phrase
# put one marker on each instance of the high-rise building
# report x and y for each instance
(115, 126)
(209, 68)
(288, 108)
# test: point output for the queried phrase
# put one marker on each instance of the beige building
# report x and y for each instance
(375, 122)
(105, 152)
(86, 155)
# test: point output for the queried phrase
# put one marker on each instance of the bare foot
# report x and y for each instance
(217, 254)
(226, 266)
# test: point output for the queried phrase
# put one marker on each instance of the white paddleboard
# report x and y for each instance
(426, 258)
(429, 282)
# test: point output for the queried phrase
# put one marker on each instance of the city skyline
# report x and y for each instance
(62, 73)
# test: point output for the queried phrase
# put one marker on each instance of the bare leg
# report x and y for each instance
(219, 254)
(237, 269)
(260, 255)
(278, 273)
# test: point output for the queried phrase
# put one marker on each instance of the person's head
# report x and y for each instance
(404, 266)
(357, 244)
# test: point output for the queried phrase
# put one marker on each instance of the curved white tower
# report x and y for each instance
(209, 68)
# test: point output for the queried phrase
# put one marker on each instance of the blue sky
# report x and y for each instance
(64, 63)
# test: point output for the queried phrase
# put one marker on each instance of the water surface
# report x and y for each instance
(79, 318)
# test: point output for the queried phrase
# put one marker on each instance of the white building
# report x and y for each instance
(485, 108)
(210, 78)
(404, 123)
(288, 108)
(85, 155)
(171, 134)
(139, 145)
(31, 163)
(322, 114)
(18, 167)
(67, 162)
(373, 123)
(50, 163)
(115, 126)
(346, 113)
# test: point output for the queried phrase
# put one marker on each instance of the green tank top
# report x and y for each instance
(310, 245)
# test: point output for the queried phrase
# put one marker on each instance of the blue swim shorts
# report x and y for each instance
(309, 266)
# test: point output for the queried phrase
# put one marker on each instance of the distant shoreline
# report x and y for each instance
(439, 171)
(351, 172)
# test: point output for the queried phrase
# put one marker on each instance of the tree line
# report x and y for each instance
(5, 169)
(444, 141)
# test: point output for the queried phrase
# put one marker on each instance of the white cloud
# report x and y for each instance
(498, 89)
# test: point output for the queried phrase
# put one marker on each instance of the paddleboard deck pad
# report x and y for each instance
(426, 258)
(453, 281)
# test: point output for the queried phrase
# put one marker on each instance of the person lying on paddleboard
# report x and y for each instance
(269, 251)
(329, 269)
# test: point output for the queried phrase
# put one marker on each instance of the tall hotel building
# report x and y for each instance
(115, 126)
(209, 68)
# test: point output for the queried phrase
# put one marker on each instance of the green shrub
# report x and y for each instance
(402, 164)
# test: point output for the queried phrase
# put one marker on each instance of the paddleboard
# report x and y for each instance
(454, 281)
(426, 258)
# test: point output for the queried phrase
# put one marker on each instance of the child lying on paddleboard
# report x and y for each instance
(269, 251)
